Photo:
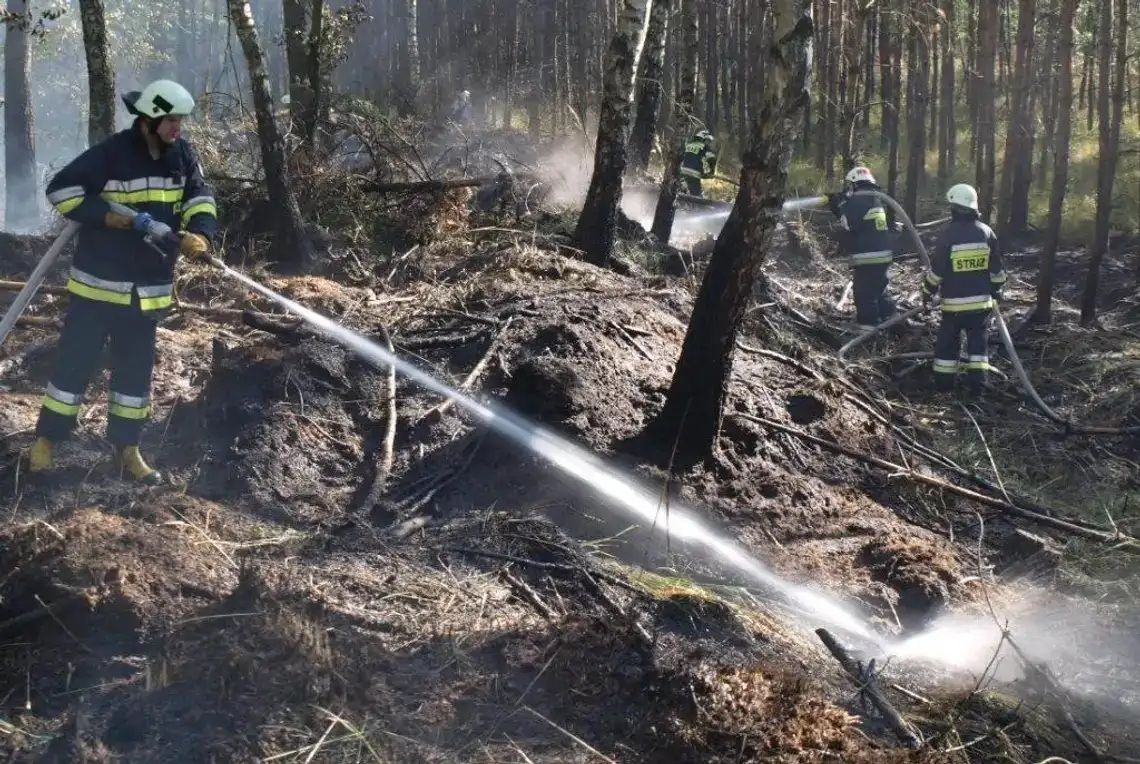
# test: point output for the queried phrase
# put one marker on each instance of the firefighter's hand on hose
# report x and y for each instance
(194, 246)
(155, 229)
(117, 221)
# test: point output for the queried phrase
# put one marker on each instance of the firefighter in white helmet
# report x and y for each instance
(966, 269)
(120, 286)
(869, 243)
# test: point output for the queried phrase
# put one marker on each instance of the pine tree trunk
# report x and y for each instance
(100, 76)
(290, 245)
(22, 196)
(411, 62)
(1048, 85)
(918, 80)
(948, 125)
(709, 32)
(987, 52)
(825, 33)
(682, 117)
(1111, 117)
(1043, 314)
(695, 404)
(896, 119)
(597, 225)
(887, 89)
(1013, 194)
(650, 71)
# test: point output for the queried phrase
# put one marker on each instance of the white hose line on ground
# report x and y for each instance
(1027, 386)
(32, 285)
(898, 318)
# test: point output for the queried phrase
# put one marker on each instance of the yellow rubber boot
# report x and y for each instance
(40, 456)
(135, 466)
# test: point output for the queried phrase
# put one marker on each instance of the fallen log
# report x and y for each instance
(869, 687)
(423, 186)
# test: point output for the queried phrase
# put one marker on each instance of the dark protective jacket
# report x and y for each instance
(869, 224)
(110, 263)
(966, 265)
(698, 161)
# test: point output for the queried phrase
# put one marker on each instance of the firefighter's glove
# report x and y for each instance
(117, 221)
(194, 246)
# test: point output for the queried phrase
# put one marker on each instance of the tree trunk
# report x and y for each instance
(1048, 72)
(597, 225)
(693, 410)
(1043, 313)
(918, 80)
(935, 82)
(100, 76)
(1013, 217)
(650, 71)
(682, 118)
(22, 197)
(709, 32)
(948, 125)
(896, 119)
(294, 26)
(316, 73)
(290, 244)
(987, 51)
(825, 111)
(1109, 139)
(887, 89)
(411, 59)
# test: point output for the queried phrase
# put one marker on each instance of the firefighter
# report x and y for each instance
(461, 109)
(120, 285)
(966, 269)
(869, 241)
(698, 162)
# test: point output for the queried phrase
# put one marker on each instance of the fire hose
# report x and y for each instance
(34, 281)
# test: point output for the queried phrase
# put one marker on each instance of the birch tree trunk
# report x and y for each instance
(649, 76)
(290, 244)
(695, 405)
(597, 225)
(22, 196)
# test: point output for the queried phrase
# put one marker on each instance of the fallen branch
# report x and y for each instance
(531, 596)
(44, 611)
(897, 470)
(894, 320)
(436, 412)
(869, 687)
(631, 340)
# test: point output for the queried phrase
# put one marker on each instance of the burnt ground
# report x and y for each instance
(287, 598)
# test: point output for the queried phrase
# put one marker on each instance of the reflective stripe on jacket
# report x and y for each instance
(966, 266)
(868, 223)
(109, 263)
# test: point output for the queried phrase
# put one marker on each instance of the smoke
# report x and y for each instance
(1092, 650)
(567, 168)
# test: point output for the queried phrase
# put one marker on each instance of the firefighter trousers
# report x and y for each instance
(693, 185)
(89, 325)
(947, 350)
(873, 305)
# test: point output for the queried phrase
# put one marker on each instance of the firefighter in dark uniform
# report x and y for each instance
(869, 242)
(698, 162)
(120, 285)
(966, 268)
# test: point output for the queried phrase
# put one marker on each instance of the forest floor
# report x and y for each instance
(290, 598)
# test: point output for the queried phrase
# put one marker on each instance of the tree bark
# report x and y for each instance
(294, 26)
(597, 225)
(709, 32)
(1043, 313)
(896, 118)
(290, 244)
(100, 76)
(948, 125)
(1048, 85)
(411, 58)
(650, 71)
(693, 410)
(316, 73)
(1013, 215)
(22, 196)
(682, 117)
(918, 80)
(1111, 117)
(987, 51)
